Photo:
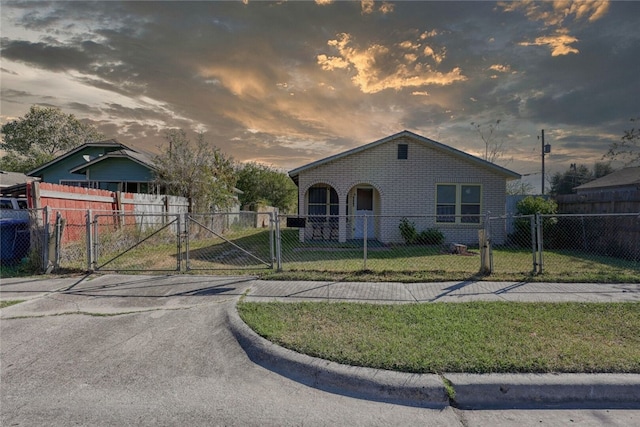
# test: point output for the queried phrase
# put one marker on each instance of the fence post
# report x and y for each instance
(486, 256)
(96, 242)
(45, 239)
(60, 222)
(534, 245)
(179, 235)
(540, 243)
(90, 256)
(364, 243)
(278, 241)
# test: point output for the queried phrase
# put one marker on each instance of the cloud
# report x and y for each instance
(367, 6)
(387, 7)
(555, 13)
(378, 67)
(558, 15)
(560, 43)
(500, 68)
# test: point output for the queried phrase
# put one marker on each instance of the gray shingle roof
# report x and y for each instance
(623, 177)
(434, 144)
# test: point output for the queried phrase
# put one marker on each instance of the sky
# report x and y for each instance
(288, 83)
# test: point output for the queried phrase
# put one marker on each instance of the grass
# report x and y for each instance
(478, 337)
(9, 303)
(247, 251)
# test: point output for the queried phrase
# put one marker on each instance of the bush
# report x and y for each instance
(408, 231)
(430, 236)
(530, 206)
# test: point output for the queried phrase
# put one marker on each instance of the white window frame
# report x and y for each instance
(327, 204)
(458, 216)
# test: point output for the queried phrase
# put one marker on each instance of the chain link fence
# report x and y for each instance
(581, 246)
(562, 247)
(398, 244)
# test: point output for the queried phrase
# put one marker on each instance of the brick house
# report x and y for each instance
(402, 175)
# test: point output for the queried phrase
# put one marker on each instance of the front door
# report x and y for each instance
(364, 207)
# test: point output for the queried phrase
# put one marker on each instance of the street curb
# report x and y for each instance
(472, 391)
(419, 390)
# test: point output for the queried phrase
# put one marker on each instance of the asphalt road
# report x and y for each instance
(141, 350)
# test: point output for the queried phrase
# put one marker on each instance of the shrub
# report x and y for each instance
(431, 236)
(408, 231)
(530, 206)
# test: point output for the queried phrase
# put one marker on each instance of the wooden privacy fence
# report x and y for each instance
(627, 201)
(71, 204)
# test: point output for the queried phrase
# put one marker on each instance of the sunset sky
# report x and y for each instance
(287, 83)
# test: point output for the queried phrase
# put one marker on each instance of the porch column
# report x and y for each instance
(342, 219)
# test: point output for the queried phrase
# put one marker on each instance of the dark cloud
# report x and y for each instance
(271, 81)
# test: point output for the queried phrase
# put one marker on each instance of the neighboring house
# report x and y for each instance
(402, 175)
(13, 184)
(618, 192)
(105, 165)
(627, 179)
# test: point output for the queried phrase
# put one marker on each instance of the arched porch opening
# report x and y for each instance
(322, 209)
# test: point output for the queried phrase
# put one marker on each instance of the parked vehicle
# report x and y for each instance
(15, 208)
(14, 230)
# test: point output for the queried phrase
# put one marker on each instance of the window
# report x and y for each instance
(323, 200)
(84, 184)
(458, 203)
(403, 151)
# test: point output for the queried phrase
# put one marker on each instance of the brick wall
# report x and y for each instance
(405, 187)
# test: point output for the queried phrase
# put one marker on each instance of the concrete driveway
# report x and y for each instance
(157, 350)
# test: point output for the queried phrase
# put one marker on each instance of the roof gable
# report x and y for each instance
(421, 139)
(140, 158)
(619, 178)
(109, 143)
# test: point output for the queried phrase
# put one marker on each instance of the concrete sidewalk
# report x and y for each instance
(112, 293)
(391, 292)
(378, 292)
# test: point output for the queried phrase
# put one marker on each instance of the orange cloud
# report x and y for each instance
(240, 82)
(555, 14)
(500, 68)
(367, 6)
(377, 67)
(559, 43)
(386, 7)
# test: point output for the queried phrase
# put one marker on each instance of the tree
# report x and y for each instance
(532, 205)
(493, 143)
(262, 184)
(199, 172)
(527, 207)
(519, 187)
(565, 182)
(41, 135)
(628, 148)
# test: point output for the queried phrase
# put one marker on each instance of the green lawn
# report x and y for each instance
(478, 337)
(248, 251)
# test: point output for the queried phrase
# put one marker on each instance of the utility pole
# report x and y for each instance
(542, 162)
(546, 148)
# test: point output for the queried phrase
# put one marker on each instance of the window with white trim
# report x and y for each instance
(458, 203)
(322, 200)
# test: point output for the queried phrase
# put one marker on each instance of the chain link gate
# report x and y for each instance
(136, 242)
(181, 242)
(229, 241)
